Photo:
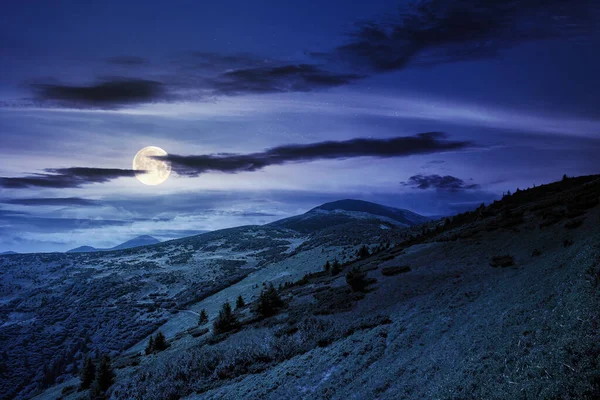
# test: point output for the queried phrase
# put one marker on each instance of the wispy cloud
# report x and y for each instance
(447, 182)
(66, 177)
(423, 143)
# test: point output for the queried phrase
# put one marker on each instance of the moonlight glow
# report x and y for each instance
(155, 171)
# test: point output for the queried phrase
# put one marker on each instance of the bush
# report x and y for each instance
(226, 321)
(87, 373)
(536, 253)
(568, 243)
(156, 343)
(269, 302)
(336, 268)
(357, 279)
(391, 271)
(574, 223)
(203, 319)
(239, 303)
(502, 261)
(363, 252)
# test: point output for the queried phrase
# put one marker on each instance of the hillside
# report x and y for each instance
(144, 240)
(56, 308)
(499, 303)
(348, 211)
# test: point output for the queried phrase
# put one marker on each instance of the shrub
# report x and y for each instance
(239, 303)
(156, 343)
(203, 318)
(327, 266)
(536, 253)
(269, 302)
(390, 271)
(363, 252)
(226, 321)
(502, 261)
(568, 243)
(574, 223)
(88, 373)
(336, 268)
(357, 279)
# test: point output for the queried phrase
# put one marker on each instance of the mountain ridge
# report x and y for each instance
(144, 240)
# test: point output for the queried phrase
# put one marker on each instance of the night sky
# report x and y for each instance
(270, 108)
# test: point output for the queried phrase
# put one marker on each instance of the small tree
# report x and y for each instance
(336, 268)
(363, 252)
(150, 346)
(239, 303)
(160, 342)
(357, 279)
(327, 266)
(203, 319)
(226, 321)
(105, 376)
(87, 373)
(269, 302)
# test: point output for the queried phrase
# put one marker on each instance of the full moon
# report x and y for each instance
(155, 171)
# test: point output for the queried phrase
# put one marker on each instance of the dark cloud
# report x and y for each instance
(66, 177)
(43, 224)
(438, 182)
(127, 60)
(423, 143)
(54, 201)
(106, 94)
(274, 79)
(439, 31)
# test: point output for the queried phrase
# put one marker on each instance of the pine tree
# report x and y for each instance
(336, 268)
(87, 373)
(239, 303)
(150, 346)
(105, 375)
(203, 319)
(363, 252)
(269, 302)
(226, 321)
(160, 342)
(327, 266)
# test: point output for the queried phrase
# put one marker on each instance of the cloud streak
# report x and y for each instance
(447, 182)
(423, 143)
(53, 201)
(73, 177)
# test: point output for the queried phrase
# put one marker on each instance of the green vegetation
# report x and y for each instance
(357, 279)
(203, 319)
(269, 302)
(226, 321)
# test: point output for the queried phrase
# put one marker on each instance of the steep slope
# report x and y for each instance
(56, 308)
(499, 303)
(144, 240)
(349, 211)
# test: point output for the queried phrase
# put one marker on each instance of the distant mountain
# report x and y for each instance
(144, 240)
(348, 210)
(6, 253)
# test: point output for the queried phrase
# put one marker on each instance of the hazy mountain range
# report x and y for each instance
(143, 240)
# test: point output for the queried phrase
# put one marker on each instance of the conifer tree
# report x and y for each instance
(226, 321)
(150, 346)
(239, 303)
(336, 268)
(327, 266)
(160, 342)
(269, 302)
(203, 319)
(105, 375)
(87, 373)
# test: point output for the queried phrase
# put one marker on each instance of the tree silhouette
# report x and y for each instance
(226, 321)
(87, 373)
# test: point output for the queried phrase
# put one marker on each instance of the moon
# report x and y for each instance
(155, 171)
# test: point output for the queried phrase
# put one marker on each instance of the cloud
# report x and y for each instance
(54, 201)
(423, 143)
(275, 79)
(66, 177)
(440, 31)
(107, 94)
(423, 33)
(127, 60)
(447, 182)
